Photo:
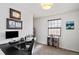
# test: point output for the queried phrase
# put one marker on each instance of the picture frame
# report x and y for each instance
(70, 24)
(12, 24)
(15, 14)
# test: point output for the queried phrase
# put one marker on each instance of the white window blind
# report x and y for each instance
(54, 27)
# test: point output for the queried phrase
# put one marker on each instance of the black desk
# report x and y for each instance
(10, 49)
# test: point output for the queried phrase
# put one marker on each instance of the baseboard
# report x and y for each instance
(68, 50)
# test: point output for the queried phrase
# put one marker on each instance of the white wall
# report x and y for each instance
(69, 38)
(27, 18)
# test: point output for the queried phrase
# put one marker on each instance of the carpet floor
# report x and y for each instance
(41, 49)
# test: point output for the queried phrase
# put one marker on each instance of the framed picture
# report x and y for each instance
(18, 24)
(70, 24)
(15, 14)
(12, 24)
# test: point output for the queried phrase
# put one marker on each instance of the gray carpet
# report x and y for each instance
(41, 49)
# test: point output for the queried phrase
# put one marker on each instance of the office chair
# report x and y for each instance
(27, 46)
(29, 49)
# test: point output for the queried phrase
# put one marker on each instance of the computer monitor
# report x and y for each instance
(11, 34)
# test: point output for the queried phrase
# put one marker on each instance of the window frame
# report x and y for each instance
(54, 27)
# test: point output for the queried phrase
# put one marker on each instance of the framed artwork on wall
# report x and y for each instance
(70, 24)
(15, 14)
(12, 24)
(18, 24)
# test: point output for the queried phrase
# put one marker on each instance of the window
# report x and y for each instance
(54, 27)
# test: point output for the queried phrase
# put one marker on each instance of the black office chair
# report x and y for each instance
(27, 46)
(22, 46)
(25, 37)
(29, 49)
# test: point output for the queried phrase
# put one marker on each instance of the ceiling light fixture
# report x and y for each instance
(46, 6)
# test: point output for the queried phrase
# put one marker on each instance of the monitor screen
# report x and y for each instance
(11, 34)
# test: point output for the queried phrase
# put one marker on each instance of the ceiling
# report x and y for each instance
(57, 8)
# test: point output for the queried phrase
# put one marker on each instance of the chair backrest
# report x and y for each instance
(25, 38)
(22, 39)
(31, 45)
